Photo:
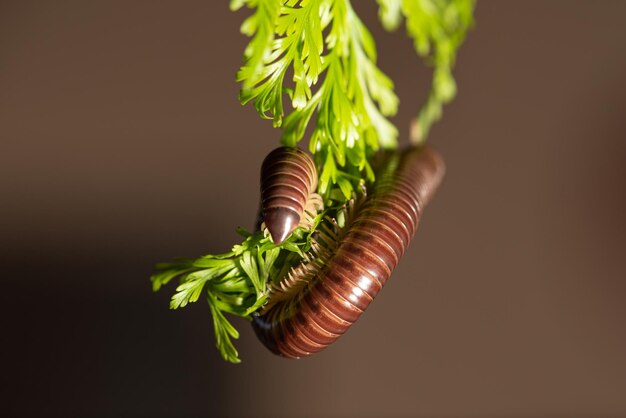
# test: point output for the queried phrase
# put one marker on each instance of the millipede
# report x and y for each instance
(288, 183)
(323, 296)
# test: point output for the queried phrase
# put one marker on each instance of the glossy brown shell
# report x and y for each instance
(361, 264)
(288, 177)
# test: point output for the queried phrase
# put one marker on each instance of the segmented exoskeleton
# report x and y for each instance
(326, 294)
(288, 183)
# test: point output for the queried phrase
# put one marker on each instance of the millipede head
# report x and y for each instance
(280, 222)
(288, 180)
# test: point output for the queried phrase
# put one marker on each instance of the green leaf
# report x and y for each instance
(351, 103)
(186, 293)
(438, 29)
(224, 331)
(249, 265)
(235, 282)
(168, 271)
(390, 13)
(345, 186)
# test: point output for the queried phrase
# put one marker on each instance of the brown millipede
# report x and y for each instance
(288, 183)
(338, 285)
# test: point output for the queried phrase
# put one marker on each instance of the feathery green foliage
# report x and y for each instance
(438, 28)
(235, 282)
(321, 55)
(319, 41)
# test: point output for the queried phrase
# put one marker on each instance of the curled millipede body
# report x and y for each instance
(288, 183)
(344, 279)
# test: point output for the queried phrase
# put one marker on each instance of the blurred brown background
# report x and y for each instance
(122, 144)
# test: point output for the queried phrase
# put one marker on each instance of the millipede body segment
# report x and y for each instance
(361, 262)
(288, 178)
